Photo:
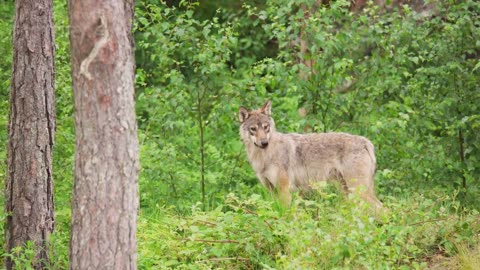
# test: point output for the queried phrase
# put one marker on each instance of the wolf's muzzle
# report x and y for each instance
(263, 144)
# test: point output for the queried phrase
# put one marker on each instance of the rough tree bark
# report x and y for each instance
(105, 196)
(31, 128)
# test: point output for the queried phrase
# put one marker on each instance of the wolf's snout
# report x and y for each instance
(264, 143)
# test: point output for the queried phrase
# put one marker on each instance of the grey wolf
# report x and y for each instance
(291, 162)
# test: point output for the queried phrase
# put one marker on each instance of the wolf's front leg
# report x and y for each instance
(265, 182)
(284, 188)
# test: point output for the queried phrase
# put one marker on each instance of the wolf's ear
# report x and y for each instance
(242, 114)
(267, 108)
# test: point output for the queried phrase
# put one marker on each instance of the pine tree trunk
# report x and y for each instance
(31, 128)
(105, 196)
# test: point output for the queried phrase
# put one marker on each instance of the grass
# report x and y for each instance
(424, 229)
(330, 233)
(466, 258)
(324, 231)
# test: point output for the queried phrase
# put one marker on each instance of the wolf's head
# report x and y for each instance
(257, 125)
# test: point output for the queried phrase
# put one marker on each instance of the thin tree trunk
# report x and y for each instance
(105, 196)
(29, 186)
(202, 146)
(461, 145)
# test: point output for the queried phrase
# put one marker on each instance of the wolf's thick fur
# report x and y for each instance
(289, 162)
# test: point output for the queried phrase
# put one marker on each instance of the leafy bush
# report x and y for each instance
(407, 81)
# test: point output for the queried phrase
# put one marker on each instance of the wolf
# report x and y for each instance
(295, 162)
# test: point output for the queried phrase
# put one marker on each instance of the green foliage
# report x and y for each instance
(413, 82)
(182, 128)
(327, 233)
(396, 77)
(64, 148)
(23, 257)
(6, 27)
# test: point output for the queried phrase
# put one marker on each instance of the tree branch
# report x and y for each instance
(225, 241)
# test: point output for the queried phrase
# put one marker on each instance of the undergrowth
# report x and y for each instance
(319, 233)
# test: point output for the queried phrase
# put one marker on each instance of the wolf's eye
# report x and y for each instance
(266, 127)
(253, 129)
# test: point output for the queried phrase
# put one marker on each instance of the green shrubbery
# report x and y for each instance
(408, 82)
(325, 233)
(413, 86)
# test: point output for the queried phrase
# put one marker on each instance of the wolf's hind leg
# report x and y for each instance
(364, 188)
